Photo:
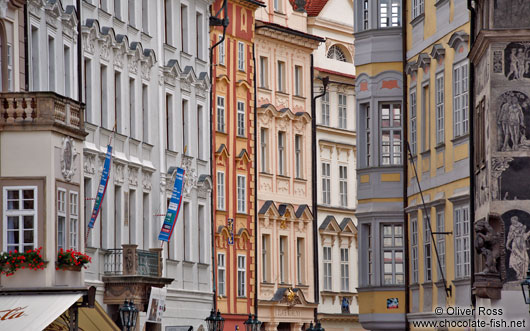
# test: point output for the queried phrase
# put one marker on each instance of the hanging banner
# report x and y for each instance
(174, 207)
(157, 305)
(102, 187)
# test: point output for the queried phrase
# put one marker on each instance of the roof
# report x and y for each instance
(336, 72)
(257, 3)
(281, 28)
(312, 7)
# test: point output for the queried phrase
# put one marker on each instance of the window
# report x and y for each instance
(462, 243)
(220, 114)
(265, 244)
(221, 51)
(241, 275)
(51, 63)
(117, 101)
(241, 194)
(300, 260)
(281, 153)
(67, 72)
(366, 15)
(184, 28)
(425, 117)
(298, 81)
(264, 133)
(367, 129)
(413, 125)
(391, 134)
(283, 259)
(145, 114)
(440, 241)
(461, 120)
(427, 249)
(281, 76)
(20, 218)
(221, 275)
(201, 242)
(277, 5)
(199, 35)
(200, 132)
(325, 109)
(240, 56)
(264, 73)
(393, 254)
(326, 258)
(34, 59)
(371, 274)
(61, 219)
(417, 8)
(440, 109)
(74, 219)
(168, 23)
(220, 190)
(117, 8)
(335, 53)
(186, 231)
(414, 251)
(185, 123)
(343, 185)
(326, 183)
(345, 269)
(104, 96)
(132, 108)
(131, 12)
(241, 118)
(343, 121)
(298, 155)
(169, 122)
(389, 11)
(88, 89)
(145, 17)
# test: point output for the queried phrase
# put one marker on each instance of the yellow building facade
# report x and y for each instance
(438, 189)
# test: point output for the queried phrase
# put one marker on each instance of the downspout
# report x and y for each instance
(79, 54)
(256, 221)
(26, 48)
(405, 160)
(471, 95)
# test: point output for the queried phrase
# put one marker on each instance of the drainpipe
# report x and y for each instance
(256, 221)
(26, 50)
(79, 54)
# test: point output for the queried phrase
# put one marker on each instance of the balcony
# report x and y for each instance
(129, 273)
(41, 111)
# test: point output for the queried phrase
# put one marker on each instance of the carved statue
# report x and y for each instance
(511, 119)
(517, 244)
(486, 244)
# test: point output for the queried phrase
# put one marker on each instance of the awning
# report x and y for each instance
(90, 319)
(33, 312)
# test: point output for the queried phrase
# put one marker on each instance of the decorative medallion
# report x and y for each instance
(68, 157)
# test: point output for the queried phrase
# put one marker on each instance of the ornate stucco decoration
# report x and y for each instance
(438, 52)
(3, 8)
(119, 173)
(133, 176)
(89, 166)
(187, 79)
(146, 180)
(171, 72)
(68, 157)
(204, 186)
(291, 298)
(190, 175)
(148, 61)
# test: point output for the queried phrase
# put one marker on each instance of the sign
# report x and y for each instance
(231, 231)
(157, 305)
(174, 207)
(102, 187)
(392, 303)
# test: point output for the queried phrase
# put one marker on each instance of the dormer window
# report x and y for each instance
(389, 13)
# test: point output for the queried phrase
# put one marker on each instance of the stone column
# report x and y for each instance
(271, 326)
(296, 326)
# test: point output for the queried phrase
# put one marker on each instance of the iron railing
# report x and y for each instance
(131, 261)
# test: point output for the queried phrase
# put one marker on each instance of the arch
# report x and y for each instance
(338, 52)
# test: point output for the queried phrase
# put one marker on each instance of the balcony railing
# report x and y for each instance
(128, 261)
(19, 109)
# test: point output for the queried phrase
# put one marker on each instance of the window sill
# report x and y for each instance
(241, 70)
(241, 137)
(302, 286)
(460, 139)
(132, 27)
(118, 20)
(279, 13)
(297, 179)
(440, 147)
(416, 20)
(462, 281)
(221, 132)
(146, 35)
(427, 284)
(300, 97)
(283, 176)
(264, 88)
(267, 284)
(414, 286)
(170, 48)
(284, 93)
(439, 3)
(425, 153)
(241, 213)
(264, 173)
(186, 54)
(220, 210)
(200, 60)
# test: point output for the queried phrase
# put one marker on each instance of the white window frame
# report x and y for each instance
(370, 249)
(62, 205)
(327, 257)
(343, 112)
(427, 249)
(298, 83)
(240, 56)
(414, 251)
(462, 241)
(440, 241)
(325, 110)
(241, 124)
(263, 66)
(366, 15)
(417, 8)
(394, 157)
(394, 249)
(299, 260)
(241, 194)
(440, 108)
(221, 114)
(264, 136)
(326, 182)
(283, 259)
(345, 269)
(221, 270)
(241, 276)
(343, 185)
(298, 155)
(281, 77)
(265, 244)
(222, 53)
(282, 166)
(461, 99)
(368, 134)
(20, 213)
(413, 122)
(389, 13)
(220, 190)
(73, 221)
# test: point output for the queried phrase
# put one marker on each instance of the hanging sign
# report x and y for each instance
(174, 207)
(102, 187)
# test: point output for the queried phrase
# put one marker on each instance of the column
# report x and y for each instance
(271, 326)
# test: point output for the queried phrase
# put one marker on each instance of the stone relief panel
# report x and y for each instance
(513, 118)
(509, 178)
(482, 75)
(497, 62)
(511, 14)
(517, 225)
(517, 60)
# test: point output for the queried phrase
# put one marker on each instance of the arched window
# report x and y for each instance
(336, 53)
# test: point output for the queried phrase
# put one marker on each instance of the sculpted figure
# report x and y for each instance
(513, 64)
(516, 243)
(520, 63)
(486, 240)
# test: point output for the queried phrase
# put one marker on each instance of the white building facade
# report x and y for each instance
(145, 83)
(336, 164)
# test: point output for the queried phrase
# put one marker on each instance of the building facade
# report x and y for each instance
(234, 162)
(438, 136)
(380, 156)
(500, 116)
(336, 164)
(146, 89)
(286, 279)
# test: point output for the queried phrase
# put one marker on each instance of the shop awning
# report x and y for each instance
(33, 312)
(90, 319)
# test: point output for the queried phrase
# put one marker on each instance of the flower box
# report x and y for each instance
(68, 267)
(71, 260)
(10, 262)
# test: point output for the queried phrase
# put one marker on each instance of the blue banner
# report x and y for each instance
(174, 207)
(102, 187)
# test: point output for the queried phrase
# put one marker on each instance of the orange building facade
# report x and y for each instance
(233, 163)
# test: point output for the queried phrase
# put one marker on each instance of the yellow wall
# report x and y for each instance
(375, 302)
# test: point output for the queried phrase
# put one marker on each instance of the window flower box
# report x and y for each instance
(10, 262)
(71, 260)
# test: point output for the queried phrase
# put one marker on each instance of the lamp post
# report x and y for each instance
(215, 321)
(525, 287)
(128, 315)
(252, 324)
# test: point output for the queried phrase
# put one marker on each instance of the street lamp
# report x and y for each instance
(215, 321)
(128, 314)
(318, 327)
(310, 328)
(252, 324)
(525, 287)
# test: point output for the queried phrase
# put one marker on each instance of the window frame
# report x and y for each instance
(20, 213)
(390, 4)
(460, 99)
(220, 114)
(461, 240)
(440, 108)
(241, 123)
(392, 129)
(325, 109)
(440, 241)
(298, 150)
(418, 8)
(427, 249)
(298, 81)
(61, 210)
(327, 263)
(264, 149)
(241, 276)
(221, 186)
(343, 111)
(282, 165)
(264, 72)
(221, 268)
(283, 253)
(241, 194)
(240, 56)
(343, 185)
(394, 249)
(345, 269)
(326, 182)
(414, 250)
(413, 121)
(222, 51)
